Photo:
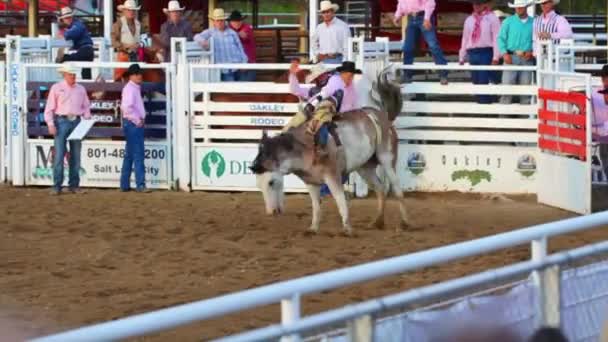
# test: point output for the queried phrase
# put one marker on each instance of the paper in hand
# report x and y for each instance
(82, 129)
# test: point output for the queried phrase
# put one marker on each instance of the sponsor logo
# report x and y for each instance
(526, 165)
(213, 165)
(416, 163)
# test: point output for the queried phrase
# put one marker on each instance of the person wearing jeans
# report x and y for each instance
(134, 116)
(66, 103)
(419, 14)
(82, 45)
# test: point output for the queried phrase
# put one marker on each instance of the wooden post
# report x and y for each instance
(32, 18)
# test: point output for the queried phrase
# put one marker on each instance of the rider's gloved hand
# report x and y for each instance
(308, 110)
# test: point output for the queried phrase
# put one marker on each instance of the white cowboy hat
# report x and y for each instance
(520, 3)
(327, 5)
(218, 14)
(555, 2)
(173, 7)
(67, 69)
(129, 5)
(316, 71)
(66, 12)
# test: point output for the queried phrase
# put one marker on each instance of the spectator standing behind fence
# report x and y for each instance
(550, 25)
(174, 27)
(515, 45)
(599, 104)
(126, 36)
(419, 14)
(330, 41)
(76, 31)
(479, 45)
(245, 32)
(133, 120)
(227, 47)
(66, 104)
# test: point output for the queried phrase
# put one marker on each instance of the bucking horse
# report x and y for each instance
(368, 146)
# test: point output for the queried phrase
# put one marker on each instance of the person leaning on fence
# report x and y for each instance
(67, 102)
(515, 45)
(245, 32)
(133, 120)
(126, 36)
(227, 47)
(174, 27)
(330, 40)
(599, 105)
(419, 14)
(479, 44)
(550, 25)
(76, 31)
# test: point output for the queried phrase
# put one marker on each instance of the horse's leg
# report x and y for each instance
(386, 159)
(315, 196)
(334, 182)
(368, 173)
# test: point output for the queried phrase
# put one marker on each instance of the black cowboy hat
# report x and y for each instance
(236, 15)
(479, 2)
(348, 67)
(604, 72)
(134, 69)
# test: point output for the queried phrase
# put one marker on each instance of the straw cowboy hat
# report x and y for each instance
(66, 12)
(67, 69)
(316, 71)
(555, 2)
(129, 5)
(327, 5)
(520, 3)
(218, 14)
(173, 7)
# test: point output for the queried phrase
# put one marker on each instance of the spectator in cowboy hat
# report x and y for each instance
(227, 47)
(67, 102)
(126, 35)
(330, 40)
(174, 27)
(245, 32)
(82, 44)
(550, 25)
(515, 45)
(479, 44)
(419, 13)
(133, 119)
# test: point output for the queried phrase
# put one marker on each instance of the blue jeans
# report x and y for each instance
(229, 76)
(414, 29)
(323, 135)
(517, 77)
(337, 60)
(134, 154)
(483, 56)
(245, 75)
(64, 129)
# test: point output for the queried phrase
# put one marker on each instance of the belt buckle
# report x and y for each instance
(72, 117)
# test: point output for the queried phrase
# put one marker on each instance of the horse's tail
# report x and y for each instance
(391, 100)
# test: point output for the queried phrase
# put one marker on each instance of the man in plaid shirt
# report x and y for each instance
(227, 47)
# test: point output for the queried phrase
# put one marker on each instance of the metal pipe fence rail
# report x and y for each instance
(288, 293)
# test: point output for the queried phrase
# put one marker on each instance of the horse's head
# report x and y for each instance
(270, 166)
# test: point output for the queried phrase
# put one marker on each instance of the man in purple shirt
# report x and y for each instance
(419, 14)
(133, 118)
(550, 25)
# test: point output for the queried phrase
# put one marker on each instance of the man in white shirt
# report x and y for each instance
(330, 40)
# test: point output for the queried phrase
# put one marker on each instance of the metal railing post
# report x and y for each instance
(290, 313)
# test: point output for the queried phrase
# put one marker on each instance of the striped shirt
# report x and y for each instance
(552, 23)
(227, 47)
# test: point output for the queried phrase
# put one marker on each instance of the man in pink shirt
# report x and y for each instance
(419, 14)
(480, 44)
(133, 119)
(550, 25)
(66, 104)
(599, 103)
(245, 32)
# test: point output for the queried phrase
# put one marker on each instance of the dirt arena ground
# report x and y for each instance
(73, 260)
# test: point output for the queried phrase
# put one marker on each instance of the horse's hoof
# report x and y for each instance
(403, 226)
(347, 231)
(312, 231)
(378, 223)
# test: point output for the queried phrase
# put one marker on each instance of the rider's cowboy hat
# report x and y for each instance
(520, 3)
(66, 12)
(218, 14)
(348, 67)
(236, 15)
(67, 69)
(129, 5)
(327, 6)
(479, 2)
(539, 2)
(316, 71)
(173, 7)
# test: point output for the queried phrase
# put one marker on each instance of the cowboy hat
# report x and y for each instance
(66, 12)
(67, 69)
(173, 7)
(218, 14)
(236, 15)
(479, 2)
(348, 67)
(316, 71)
(129, 5)
(327, 5)
(520, 3)
(134, 69)
(539, 2)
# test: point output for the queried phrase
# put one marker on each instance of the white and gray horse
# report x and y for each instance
(369, 141)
